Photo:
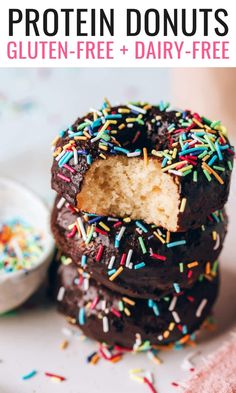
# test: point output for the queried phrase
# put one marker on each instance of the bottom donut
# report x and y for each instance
(108, 317)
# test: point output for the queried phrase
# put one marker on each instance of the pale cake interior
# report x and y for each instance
(129, 187)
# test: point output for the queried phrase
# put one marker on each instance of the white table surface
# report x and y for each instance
(34, 104)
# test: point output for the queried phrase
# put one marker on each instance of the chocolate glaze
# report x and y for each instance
(157, 277)
(203, 196)
(153, 322)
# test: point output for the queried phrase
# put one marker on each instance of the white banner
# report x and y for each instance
(131, 34)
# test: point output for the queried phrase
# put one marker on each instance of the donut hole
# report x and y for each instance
(126, 187)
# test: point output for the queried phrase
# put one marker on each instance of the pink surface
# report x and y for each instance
(219, 373)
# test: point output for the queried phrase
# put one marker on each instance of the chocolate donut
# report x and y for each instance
(115, 319)
(134, 258)
(145, 162)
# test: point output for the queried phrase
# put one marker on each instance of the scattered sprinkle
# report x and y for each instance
(64, 344)
(31, 374)
(55, 377)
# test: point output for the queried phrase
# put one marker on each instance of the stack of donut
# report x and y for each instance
(139, 221)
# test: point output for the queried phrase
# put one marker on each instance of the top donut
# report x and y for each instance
(141, 161)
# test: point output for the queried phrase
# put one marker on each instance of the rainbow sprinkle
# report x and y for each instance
(143, 376)
(55, 377)
(31, 374)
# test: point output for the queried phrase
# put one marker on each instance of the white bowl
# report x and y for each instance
(17, 201)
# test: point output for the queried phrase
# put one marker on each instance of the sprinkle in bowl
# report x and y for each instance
(26, 245)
